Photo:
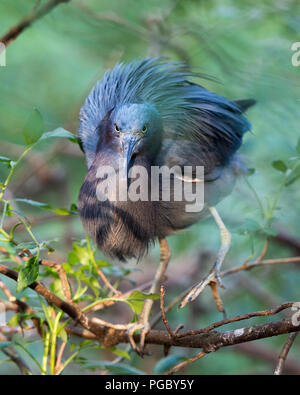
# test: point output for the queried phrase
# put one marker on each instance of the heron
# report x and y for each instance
(152, 113)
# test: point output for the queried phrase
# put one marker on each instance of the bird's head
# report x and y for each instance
(138, 130)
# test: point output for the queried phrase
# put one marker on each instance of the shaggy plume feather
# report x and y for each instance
(187, 110)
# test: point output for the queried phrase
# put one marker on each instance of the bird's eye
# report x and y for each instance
(116, 128)
(144, 128)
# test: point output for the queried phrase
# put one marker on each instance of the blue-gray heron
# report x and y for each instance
(148, 113)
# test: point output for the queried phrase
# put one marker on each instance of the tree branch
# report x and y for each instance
(16, 30)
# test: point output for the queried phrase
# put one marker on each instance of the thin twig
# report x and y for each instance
(21, 307)
(63, 278)
(58, 268)
(264, 262)
(283, 355)
(186, 363)
(107, 283)
(12, 354)
(261, 313)
(16, 30)
(58, 364)
(163, 313)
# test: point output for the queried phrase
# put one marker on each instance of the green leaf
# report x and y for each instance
(249, 226)
(62, 211)
(293, 176)
(14, 321)
(4, 159)
(120, 353)
(34, 203)
(46, 206)
(80, 291)
(167, 363)
(280, 166)
(7, 161)
(60, 133)
(141, 295)
(28, 273)
(74, 207)
(26, 246)
(48, 310)
(270, 231)
(101, 263)
(9, 247)
(56, 287)
(79, 255)
(34, 127)
(136, 300)
(62, 334)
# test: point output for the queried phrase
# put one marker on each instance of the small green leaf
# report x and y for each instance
(280, 166)
(102, 263)
(62, 334)
(5, 160)
(62, 211)
(9, 247)
(8, 162)
(46, 206)
(167, 363)
(251, 171)
(120, 353)
(136, 300)
(293, 176)
(28, 273)
(74, 207)
(249, 226)
(26, 246)
(270, 231)
(34, 203)
(141, 295)
(34, 127)
(60, 133)
(56, 288)
(14, 321)
(80, 291)
(9, 211)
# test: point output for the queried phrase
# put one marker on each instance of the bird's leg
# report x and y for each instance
(143, 323)
(213, 278)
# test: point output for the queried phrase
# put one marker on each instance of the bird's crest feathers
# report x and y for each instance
(187, 110)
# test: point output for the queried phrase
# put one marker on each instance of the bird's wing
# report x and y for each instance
(214, 125)
(184, 153)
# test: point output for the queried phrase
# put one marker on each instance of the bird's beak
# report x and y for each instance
(128, 144)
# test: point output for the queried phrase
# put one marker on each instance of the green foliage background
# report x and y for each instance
(246, 45)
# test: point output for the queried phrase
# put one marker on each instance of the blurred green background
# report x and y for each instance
(246, 46)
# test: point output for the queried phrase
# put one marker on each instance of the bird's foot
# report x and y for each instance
(144, 328)
(213, 279)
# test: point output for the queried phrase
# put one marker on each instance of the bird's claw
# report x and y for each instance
(144, 328)
(212, 277)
